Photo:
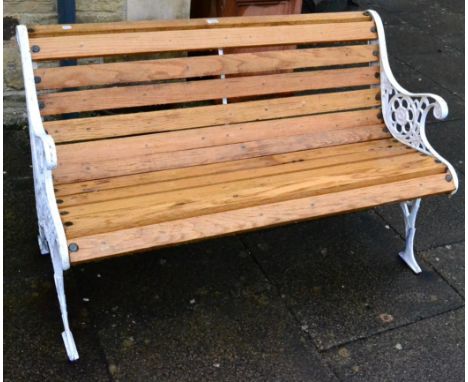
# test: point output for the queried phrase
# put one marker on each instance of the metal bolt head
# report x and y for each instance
(73, 247)
(366, 13)
(373, 29)
(448, 177)
(375, 53)
(35, 49)
(37, 79)
(41, 105)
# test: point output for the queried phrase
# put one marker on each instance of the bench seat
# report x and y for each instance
(106, 213)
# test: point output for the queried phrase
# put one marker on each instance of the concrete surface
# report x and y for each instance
(326, 300)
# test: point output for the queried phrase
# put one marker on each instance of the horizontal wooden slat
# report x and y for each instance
(96, 186)
(185, 118)
(167, 93)
(189, 67)
(128, 147)
(97, 45)
(99, 246)
(299, 161)
(222, 22)
(155, 208)
(72, 170)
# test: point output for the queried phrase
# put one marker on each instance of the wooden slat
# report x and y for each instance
(73, 170)
(99, 246)
(166, 206)
(252, 164)
(128, 147)
(98, 45)
(185, 118)
(303, 160)
(167, 93)
(222, 22)
(189, 67)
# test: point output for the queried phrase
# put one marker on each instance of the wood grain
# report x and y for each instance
(149, 209)
(99, 45)
(83, 129)
(82, 169)
(100, 246)
(168, 93)
(188, 67)
(300, 161)
(221, 22)
(205, 171)
(143, 145)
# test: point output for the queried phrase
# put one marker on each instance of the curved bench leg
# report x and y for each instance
(410, 212)
(67, 335)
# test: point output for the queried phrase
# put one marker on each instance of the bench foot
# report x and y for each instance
(410, 212)
(67, 334)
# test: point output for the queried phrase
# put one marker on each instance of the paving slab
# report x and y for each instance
(439, 21)
(33, 347)
(431, 350)
(201, 312)
(414, 81)
(440, 221)
(32, 327)
(448, 139)
(342, 277)
(445, 69)
(449, 261)
(16, 154)
(20, 247)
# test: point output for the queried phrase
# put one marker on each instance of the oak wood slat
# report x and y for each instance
(299, 161)
(189, 67)
(132, 240)
(149, 209)
(98, 45)
(223, 22)
(169, 120)
(77, 170)
(142, 145)
(252, 164)
(167, 93)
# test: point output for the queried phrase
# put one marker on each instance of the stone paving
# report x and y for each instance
(326, 300)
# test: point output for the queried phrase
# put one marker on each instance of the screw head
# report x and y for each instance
(448, 177)
(59, 201)
(373, 29)
(35, 49)
(73, 247)
(375, 53)
(366, 13)
(37, 79)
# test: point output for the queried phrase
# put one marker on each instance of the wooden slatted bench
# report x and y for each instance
(145, 144)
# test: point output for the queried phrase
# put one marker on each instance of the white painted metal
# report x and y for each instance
(405, 116)
(44, 159)
(223, 76)
(410, 212)
(404, 112)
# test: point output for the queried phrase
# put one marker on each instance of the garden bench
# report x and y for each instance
(144, 144)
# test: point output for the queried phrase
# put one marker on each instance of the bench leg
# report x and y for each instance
(67, 335)
(410, 211)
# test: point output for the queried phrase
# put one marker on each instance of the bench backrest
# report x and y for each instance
(314, 83)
